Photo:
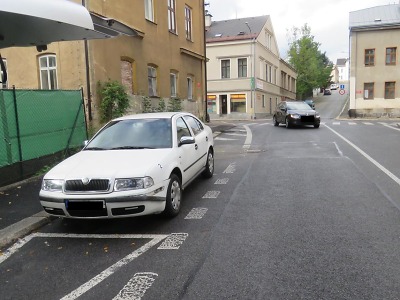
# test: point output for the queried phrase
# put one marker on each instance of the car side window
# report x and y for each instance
(181, 129)
(195, 124)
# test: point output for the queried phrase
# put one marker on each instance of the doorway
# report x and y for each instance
(223, 100)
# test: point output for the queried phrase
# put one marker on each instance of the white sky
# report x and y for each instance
(328, 19)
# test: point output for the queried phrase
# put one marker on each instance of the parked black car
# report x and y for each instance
(295, 113)
(327, 92)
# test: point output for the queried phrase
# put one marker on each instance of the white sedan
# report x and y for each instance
(135, 165)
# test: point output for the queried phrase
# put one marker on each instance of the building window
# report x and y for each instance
(369, 59)
(188, 23)
(389, 89)
(171, 16)
(267, 75)
(369, 90)
(242, 67)
(190, 88)
(173, 78)
(238, 103)
(225, 68)
(149, 10)
(48, 72)
(4, 85)
(391, 56)
(152, 79)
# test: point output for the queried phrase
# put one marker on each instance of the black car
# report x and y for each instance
(327, 92)
(295, 113)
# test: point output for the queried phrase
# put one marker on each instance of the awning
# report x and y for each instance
(41, 22)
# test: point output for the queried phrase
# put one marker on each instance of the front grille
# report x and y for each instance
(307, 119)
(94, 185)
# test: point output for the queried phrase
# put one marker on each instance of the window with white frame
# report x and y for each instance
(188, 23)
(152, 79)
(225, 68)
(149, 10)
(190, 88)
(4, 85)
(171, 16)
(242, 67)
(48, 72)
(173, 78)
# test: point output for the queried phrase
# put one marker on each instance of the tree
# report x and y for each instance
(114, 100)
(312, 66)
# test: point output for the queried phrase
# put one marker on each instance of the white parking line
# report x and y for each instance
(336, 123)
(137, 286)
(222, 181)
(249, 137)
(352, 123)
(368, 123)
(230, 169)
(211, 195)
(173, 241)
(390, 126)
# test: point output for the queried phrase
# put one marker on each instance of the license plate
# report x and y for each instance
(85, 205)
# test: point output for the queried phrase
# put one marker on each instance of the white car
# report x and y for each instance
(334, 86)
(135, 165)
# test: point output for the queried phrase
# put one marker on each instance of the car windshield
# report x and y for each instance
(133, 134)
(298, 106)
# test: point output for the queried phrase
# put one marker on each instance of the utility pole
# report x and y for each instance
(252, 73)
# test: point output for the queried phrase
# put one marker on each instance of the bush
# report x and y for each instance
(114, 100)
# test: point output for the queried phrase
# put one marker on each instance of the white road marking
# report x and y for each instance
(196, 213)
(249, 137)
(230, 169)
(352, 123)
(224, 139)
(378, 165)
(390, 126)
(211, 195)
(368, 123)
(336, 123)
(173, 241)
(137, 286)
(236, 134)
(222, 181)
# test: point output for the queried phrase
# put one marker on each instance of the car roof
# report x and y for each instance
(156, 115)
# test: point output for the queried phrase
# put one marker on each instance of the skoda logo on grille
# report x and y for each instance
(85, 181)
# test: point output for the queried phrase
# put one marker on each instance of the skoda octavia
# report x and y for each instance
(135, 165)
(295, 113)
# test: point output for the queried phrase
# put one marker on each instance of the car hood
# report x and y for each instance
(305, 112)
(110, 164)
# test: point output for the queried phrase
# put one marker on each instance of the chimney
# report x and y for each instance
(208, 19)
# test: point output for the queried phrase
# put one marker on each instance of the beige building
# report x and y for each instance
(163, 58)
(246, 76)
(374, 62)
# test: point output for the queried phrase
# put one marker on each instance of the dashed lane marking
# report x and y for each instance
(222, 181)
(137, 286)
(173, 241)
(211, 195)
(230, 169)
(196, 213)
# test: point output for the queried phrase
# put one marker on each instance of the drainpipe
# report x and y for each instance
(88, 89)
(206, 116)
(252, 72)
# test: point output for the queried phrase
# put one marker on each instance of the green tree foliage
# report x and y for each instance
(114, 100)
(312, 66)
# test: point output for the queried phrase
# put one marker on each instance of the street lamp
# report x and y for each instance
(252, 73)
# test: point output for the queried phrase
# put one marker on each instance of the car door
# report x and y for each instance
(201, 140)
(188, 153)
(281, 112)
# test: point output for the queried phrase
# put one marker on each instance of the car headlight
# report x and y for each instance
(317, 115)
(52, 185)
(295, 116)
(124, 184)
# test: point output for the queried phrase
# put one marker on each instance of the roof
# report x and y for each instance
(341, 61)
(235, 29)
(375, 17)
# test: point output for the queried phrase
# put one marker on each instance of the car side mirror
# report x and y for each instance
(186, 140)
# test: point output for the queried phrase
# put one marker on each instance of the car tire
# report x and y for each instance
(287, 123)
(209, 170)
(174, 196)
(316, 126)
(276, 123)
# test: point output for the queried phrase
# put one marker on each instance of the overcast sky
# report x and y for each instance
(328, 19)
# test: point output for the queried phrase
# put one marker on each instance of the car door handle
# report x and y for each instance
(196, 147)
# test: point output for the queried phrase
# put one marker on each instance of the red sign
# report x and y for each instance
(341, 92)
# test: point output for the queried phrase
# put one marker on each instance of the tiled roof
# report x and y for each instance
(373, 17)
(235, 29)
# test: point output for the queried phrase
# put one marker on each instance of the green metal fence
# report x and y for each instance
(37, 123)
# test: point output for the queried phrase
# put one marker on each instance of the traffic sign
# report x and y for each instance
(341, 92)
(342, 86)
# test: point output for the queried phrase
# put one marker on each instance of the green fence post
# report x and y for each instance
(18, 132)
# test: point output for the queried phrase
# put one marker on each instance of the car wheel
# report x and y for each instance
(174, 195)
(287, 123)
(209, 170)
(316, 125)
(276, 123)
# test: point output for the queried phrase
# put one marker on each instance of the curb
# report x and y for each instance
(15, 231)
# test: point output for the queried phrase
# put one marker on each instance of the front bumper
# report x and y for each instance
(101, 206)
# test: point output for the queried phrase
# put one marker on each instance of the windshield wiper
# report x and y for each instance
(94, 148)
(130, 147)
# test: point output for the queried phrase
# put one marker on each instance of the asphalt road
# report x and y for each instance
(298, 213)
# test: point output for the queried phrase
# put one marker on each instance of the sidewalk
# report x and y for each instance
(20, 209)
